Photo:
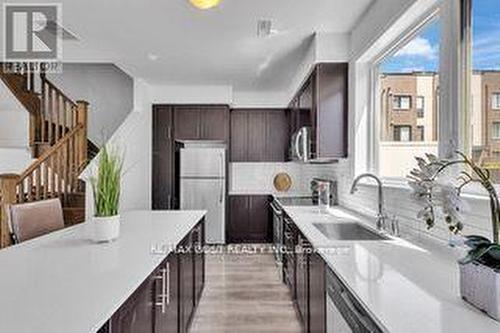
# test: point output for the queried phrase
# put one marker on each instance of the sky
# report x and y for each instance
(422, 52)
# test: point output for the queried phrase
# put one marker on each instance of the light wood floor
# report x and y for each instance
(244, 293)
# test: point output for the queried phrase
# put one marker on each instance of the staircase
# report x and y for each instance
(59, 143)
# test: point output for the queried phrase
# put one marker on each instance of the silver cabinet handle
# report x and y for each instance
(168, 283)
(162, 296)
(222, 177)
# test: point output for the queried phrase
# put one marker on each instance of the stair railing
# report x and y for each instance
(58, 113)
(53, 175)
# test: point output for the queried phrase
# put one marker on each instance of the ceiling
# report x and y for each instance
(170, 42)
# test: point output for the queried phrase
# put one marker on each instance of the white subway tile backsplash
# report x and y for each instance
(257, 178)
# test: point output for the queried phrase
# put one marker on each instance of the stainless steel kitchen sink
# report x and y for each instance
(348, 231)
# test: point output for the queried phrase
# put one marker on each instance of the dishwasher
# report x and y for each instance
(344, 314)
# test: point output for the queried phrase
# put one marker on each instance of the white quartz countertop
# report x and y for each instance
(63, 282)
(407, 287)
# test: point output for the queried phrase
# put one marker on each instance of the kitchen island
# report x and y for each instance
(64, 282)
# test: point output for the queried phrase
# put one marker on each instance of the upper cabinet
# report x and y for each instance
(322, 104)
(259, 135)
(207, 122)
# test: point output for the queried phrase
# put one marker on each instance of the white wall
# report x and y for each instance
(15, 154)
(14, 120)
(108, 90)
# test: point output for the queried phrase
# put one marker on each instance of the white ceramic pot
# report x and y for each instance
(106, 229)
(480, 286)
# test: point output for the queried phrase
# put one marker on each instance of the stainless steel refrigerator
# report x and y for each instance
(202, 182)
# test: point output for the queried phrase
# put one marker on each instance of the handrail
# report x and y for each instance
(50, 152)
(59, 91)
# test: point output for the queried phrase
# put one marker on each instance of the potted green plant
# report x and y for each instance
(106, 183)
(435, 188)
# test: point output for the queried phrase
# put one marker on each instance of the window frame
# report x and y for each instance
(374, 128)
(400, 98)
(422, 109)
(494, 125)
(495, 98)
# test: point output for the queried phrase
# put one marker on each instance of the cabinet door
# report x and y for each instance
(187, 123)
(258, 228)
(302, 283)
(167, 292)
(277, 138)
(137, 314)
(332, 111)
(239, 135)
(238, 218)
(256, 145)
(317, 294)
(163, 169)
(214, 123)
(199, 261)
(186, 282)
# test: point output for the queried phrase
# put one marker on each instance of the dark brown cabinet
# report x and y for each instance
(305, 274)
(186, 283)
(322, 104)
(249, 219)
(166, 292)
(136, 315)
(317, 294)
(206, 122)
(180, 122)
(163, 146)
(199, 261)
(302, 287)
(166, 300)
(259, 135)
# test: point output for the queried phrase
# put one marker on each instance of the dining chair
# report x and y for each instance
(34, 219)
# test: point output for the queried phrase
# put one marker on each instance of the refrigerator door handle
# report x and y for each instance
(221, 196)
(221, 155)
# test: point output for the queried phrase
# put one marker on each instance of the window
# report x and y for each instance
(402, 102)
(496, 130)
(408, 77)
(402, 133)
(484, 16)
(495, 101)
(420, 101)
(421, 133)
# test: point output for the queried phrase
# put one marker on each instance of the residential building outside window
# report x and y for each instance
(421, 133)
(496, 130)
(420, 101)
(408, 79)
(402, 133)
(402, 102)
(495, 101)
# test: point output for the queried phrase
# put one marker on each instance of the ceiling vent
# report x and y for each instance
(264, 28)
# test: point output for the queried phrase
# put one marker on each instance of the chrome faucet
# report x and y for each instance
(381, 217)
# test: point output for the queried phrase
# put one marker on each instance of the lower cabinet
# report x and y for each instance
(249, 219)
(166, 293)
(167, 299)
(307, 269)
(137, 314)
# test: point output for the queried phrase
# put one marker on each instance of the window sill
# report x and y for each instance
(474, 193)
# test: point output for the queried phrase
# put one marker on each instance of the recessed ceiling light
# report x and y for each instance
(152, 57)
(204, 4)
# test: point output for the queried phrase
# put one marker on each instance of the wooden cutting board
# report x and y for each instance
(282, 182)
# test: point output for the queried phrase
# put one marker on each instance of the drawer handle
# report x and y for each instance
(164, 297)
